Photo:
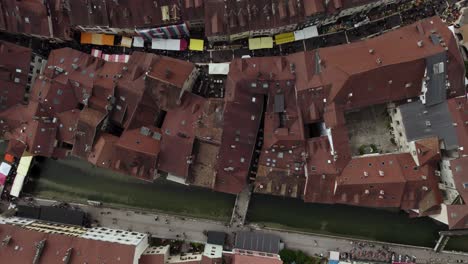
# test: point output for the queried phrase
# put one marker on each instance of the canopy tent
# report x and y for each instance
(138, 42)
(261, 43)
(169, 44)
(196, 44)
(126, 42)
(124, 58)
(306, 33)
(5, 168)
(284, 38)
(21, 172)
(96, 53)
(97, 39)
(218, 68)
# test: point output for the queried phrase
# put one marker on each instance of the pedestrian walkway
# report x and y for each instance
(241, 207)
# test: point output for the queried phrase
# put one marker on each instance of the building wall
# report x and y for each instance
(446, 181)
(96, 29)
(398, 129)
(37, 67)
(355, 10)
(140, 248)
(188, 84)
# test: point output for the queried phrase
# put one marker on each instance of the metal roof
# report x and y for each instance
(421, 121)
(261, 242)
(436, 66)
(279, 103)
(62, 215)
(216, 238)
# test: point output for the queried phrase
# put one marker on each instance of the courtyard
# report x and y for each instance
(369, 131)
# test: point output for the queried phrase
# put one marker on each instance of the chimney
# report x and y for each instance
(167, 73)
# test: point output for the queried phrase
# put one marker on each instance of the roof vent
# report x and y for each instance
(379, 61)
(366, 191)
(371, 51)
(420, 43)
(381, 173)
(366, 174)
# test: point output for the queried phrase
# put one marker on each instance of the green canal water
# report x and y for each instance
(76, 180)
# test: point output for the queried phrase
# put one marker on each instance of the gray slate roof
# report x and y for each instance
(256, 241)
(421, 121)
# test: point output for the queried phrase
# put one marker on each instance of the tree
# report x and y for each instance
(289, 256)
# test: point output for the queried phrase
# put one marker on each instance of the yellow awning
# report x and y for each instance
(107, 40)
(284, 38)
(196, 44)
(254, 43)
(97, 39)
(86, 38)
(267, 42)
(261, 43)
(126, 42)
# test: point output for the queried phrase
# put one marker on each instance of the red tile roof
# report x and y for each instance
(103, 151)
(170, 70)
(29, 17)
(137, 150)
(241, 124)
(14, 71)
(67, 123)
(460, 175)
(231, 17)
(458, 107)
(84, 12)
(88, 126)
(457, 216)
(22, 248)
(427, 150)
(40, 137)
(178, 136)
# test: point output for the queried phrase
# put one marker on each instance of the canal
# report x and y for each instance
(76, 180)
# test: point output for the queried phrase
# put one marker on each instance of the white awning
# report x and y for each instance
(21, 172)
(165, 44)
(218, 68)
(299, 35)
(306, 33)
(138, 42)
(5, 168)
(310, 32)
(334, 255)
